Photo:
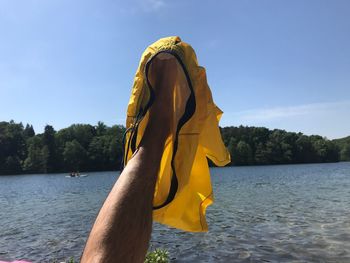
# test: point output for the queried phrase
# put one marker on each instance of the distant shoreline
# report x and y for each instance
(85, 147)
(216, 167)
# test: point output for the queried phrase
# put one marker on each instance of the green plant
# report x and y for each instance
(70, 260)
(157, 256)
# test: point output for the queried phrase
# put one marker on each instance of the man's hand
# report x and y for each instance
(162, 76)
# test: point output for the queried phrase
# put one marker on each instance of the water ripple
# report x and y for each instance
(290, 213)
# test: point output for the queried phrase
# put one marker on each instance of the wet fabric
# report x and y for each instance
(183, 189)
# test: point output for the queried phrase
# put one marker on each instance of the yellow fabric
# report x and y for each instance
(198, 138)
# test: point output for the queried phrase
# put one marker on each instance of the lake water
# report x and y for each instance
(282, 213)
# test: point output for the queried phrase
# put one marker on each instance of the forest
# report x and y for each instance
(85, 147)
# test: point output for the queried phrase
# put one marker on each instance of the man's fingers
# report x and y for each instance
(163, 70)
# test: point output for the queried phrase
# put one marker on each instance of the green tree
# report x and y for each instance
(326, 151)
(320, 149)
(242, 155)
(116, 134)
(12, 147)
(99, 153)
(50, 150)
(74, 155)
(13, 165)
(28, 131)
(231, 147)
(101, 128)
(261, 155)
(37, 157)
(333, 152)
(305, 152)
(345, 152)
(87, 147)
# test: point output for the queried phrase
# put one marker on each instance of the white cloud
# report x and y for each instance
(153, 5)
(142, 6)
(277, 113)
(330, 119)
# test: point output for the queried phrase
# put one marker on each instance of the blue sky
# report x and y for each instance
(279, 64)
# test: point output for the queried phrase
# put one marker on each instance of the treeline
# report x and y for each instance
(259, 146)
(344, 146)
(80, 147)
(84, 147)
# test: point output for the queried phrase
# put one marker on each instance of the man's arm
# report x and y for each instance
(122, 229)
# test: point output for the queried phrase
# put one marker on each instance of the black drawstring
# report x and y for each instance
(124, 153)
(132, 139)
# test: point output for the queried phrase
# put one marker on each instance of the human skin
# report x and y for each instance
(122, 229)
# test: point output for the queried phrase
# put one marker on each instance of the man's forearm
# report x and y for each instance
(122, 229)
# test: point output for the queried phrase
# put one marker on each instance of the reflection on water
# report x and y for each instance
(261, 214)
